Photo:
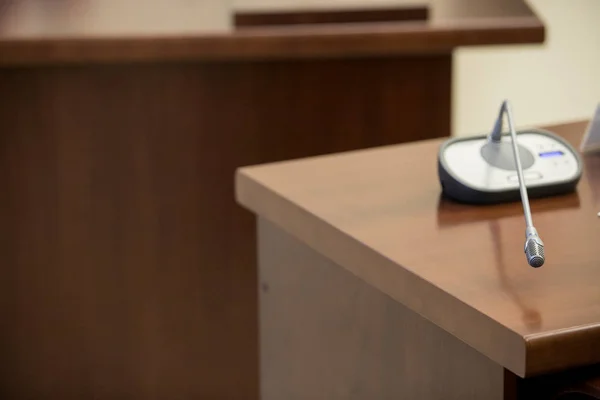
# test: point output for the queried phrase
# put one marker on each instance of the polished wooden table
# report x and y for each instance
(129, 271)
(375, 286)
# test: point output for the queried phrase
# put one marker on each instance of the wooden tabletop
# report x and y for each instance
(67, 31)
(379, 214)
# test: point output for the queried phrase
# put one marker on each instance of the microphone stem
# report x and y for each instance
(522, 187)
(534, 247)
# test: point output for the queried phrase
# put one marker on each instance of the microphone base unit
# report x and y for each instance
(477, 170)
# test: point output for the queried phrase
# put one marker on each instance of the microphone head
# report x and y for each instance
(534, 250)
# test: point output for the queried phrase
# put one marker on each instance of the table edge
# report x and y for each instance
(360, 40)
(420, 296)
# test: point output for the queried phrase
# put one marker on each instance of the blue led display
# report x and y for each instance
(552, 153)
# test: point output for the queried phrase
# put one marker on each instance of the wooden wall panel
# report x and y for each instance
(128, 269)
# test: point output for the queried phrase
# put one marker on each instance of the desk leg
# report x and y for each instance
(325, 334)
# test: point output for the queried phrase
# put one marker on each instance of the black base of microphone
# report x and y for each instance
(454, 188)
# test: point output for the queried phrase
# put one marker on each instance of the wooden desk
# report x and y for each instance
(129, 271)
(373, 286)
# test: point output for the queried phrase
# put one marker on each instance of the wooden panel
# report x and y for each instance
(377, 213)
(312, 17)
(32, 32)
(257, 44)
(325, 334)
(128, 269)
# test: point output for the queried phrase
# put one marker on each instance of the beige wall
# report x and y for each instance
(556, 82)
(34, 18)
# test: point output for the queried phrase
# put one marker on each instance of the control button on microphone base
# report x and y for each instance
(529, 175)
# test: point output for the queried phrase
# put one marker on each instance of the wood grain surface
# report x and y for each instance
(128, 269)
(100, 31)
(379, 214)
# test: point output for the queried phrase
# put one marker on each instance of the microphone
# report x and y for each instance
(534, 247)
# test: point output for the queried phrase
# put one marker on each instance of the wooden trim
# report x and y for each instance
(244, 19)
(352, 40)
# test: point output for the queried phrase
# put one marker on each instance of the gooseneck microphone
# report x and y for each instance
(484, 169)
(534, 247)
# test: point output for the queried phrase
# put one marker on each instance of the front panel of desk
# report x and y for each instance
(326, 334)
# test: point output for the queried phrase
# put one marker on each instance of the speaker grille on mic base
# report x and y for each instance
(535, 254)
